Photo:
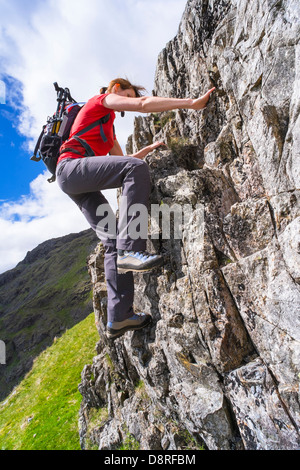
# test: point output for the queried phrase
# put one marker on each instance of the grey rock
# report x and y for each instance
(259, 409)
(219, 366)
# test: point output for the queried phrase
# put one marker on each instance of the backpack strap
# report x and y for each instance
(101, 121)
(88, 150)
(70, 149)
(34, 156)
(85, 145)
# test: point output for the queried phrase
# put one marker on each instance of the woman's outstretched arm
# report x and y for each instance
(154, 104)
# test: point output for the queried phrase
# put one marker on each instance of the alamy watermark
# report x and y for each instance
(178, 222)
(2, 92)
(2, 352)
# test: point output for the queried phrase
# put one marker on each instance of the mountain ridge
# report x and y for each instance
(46, 293)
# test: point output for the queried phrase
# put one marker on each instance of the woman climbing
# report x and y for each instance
(85, 169)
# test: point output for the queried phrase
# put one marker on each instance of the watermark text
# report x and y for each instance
(160, 221)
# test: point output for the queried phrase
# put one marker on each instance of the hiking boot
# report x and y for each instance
(137, 261)
(136, 322)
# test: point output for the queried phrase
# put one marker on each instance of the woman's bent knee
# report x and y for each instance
(140, 166)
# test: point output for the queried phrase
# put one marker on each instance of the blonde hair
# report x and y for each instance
(125, 85)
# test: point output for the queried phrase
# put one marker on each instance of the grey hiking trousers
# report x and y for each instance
(82, 179)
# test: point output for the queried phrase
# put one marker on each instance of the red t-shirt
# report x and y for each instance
(91, 112)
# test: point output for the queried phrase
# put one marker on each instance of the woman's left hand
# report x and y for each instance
(155, 145)
(144, 152)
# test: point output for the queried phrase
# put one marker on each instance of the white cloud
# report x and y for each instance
(82, 45)
(43, 214)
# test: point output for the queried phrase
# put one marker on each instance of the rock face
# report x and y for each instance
(219, 367)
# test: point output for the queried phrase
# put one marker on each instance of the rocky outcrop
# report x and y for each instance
(219, 367)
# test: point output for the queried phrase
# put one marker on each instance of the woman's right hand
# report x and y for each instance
(200, 103)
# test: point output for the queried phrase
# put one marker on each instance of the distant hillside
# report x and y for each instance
(45, 294)
(42, 411)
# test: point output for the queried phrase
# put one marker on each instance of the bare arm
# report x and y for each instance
(116, 150)
(154, 104)
(144, 152)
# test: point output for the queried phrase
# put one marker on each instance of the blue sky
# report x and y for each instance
(43, 41)
(17, 170)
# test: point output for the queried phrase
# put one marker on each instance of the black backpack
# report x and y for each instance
(57, 131)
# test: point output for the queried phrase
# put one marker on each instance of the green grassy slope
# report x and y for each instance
(42, 411)
(48, 292)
